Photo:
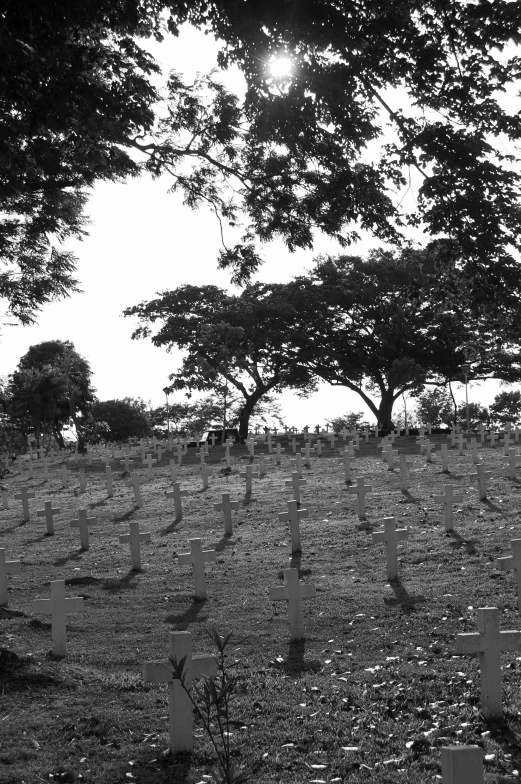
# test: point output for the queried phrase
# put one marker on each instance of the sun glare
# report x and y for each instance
(281, 66)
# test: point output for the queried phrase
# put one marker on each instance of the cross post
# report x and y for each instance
(462, 764)
(249, 474)
(391, 536)
(23, 495)
(6, 567)
(206, 472)
(481, 475)
(179, 704)
(360, 490)
(293, 592)
(83, 522)
(48, 513)
(297, 464)
(513, 562)
(444, 459)
(513, 460)
(296, 483)
(135, 539)
(108, 477)
(226, 507)
(345, 460)
(57, 606)
(126, 463)
(197, 558)
(278, 453)
(150, 462)
(293, 516)
(177, 494)
(448, 499)
(489, 642)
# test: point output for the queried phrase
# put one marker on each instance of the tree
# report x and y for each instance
(434, 407)
(78, 105)
(351, 420)
(506, 408)
(50, 387)
(391, 324)
(118, 420)
(239, 340)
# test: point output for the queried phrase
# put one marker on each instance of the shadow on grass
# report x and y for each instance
(5, 531)
(38, 538)
(247, 500)
(87, 579)
(460, 541)
(115, 585)
(184, 619)
(401, 597)
(72, 557)
(408, 498)
(6, 613)
(169, 528)
(493, 507)
(126, 515)
(295, 662)
(99, 503)
(365, 525)
(505, 733)
(223, 542)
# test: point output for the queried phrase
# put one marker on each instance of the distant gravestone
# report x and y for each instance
(206, 473)
(392, 454)
(57, 606)
(278, 454)
(263, 467)
(197, 558)
(150, 463)
(48, 512)
(474, 450)
(83, 522)
(462, 765)
(5, 498)
(513, 460)
(226, 507)
(136, 487)
(481, 475)
(448, 499)
(177, 494)
(429, 449)
(6, 567)
(293, 592)
(444, 459)
(513, 562)
(83, 481)
(318, 448)
(134, 538)
(173, 471)
(297, 464)
(489, 642)
(126, 463)
(404, 473)
(179, 703)
(293, 516)
(23, 495)
(345, 460)
(391, 536)
(108, 479)
(248, 474)
(295, 483)
(461, 444)
(360, 489)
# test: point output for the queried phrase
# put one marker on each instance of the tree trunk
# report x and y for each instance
(58, 436)
(246, 412)
(385, 410)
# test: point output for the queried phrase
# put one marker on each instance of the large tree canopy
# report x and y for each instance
(77, 103)
(240, 340)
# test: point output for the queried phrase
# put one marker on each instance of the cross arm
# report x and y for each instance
(469, 642)
(506, 563)
(302, 513)
(510, 640)
(203, 666)
(283, 517)
(278, 594)
(12, 567)
(379, 536)
(158, 672)
(42, 606)
(402, 533)
(307, 591)
(74, 604)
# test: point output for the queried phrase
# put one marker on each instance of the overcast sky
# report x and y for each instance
(142, 240)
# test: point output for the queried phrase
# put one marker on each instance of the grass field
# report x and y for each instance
(372, 693)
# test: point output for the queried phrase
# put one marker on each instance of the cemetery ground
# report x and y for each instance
(372, 693)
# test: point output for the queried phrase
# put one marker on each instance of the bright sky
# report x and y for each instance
(141, 241)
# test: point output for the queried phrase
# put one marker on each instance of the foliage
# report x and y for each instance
(350, 420)
(477, 414)
(434, 407)
(506, 408)
(240, 341)
(118, 420)
(212, 705)
(50, 387)
(77, 101)
(391, 323)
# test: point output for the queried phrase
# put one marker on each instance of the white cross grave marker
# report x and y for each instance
(448, 499)
(462, 764)
(150, 462)
(23, 495)
(177, 494)
(489, 642)
(179, 704)
(429, 449)
(461, 444)
(136, 487)
(135, 539)
(361, 490)
(127, 461)
(481, 475)
(6, 567)
(296, 483)
(293, 592)
(83, 522)
(173, 471)
(48, 513)
(197, 558)
(318, 448)
(278, 453)
(83, 481)
(57, 606)
(444, 459)
(108, 478)
(206, 472)
(391, 455)
(404, 473)
(293, 516)
(226, 507)
(297, 464)
(513, 460)
(513, 562)
(249, 474)
(391, 536)
(345, 460)
(5, 498)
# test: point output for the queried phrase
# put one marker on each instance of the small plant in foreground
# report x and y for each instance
(211, 704)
